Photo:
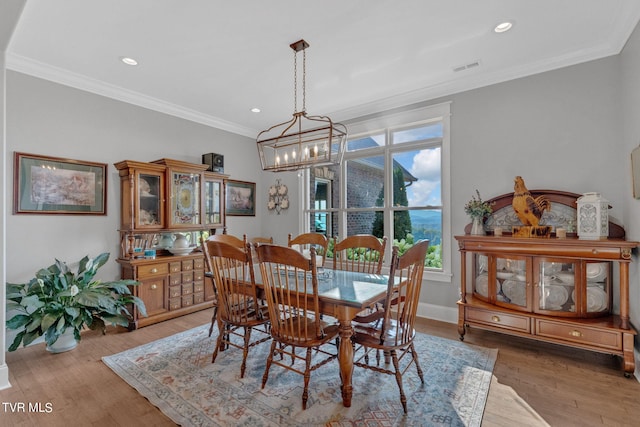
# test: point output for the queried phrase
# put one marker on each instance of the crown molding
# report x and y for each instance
(88, 84)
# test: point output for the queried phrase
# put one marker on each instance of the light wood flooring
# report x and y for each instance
(535, 384)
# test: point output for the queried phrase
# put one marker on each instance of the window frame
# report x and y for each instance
(387, 123)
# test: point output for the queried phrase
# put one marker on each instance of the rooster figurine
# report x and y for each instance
(527, 208)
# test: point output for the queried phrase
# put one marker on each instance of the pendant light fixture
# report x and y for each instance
(304, 141)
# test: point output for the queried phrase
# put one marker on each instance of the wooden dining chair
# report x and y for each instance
(361, 252)
(291, 286)
(240, 310)
(261, 240)
(306, 241)
(394, 335)
(233, 241)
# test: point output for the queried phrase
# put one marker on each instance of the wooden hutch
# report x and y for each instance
(160, 199)
(560, 290)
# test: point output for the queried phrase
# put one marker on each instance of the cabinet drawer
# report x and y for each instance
(198, 287)
(187, 265)
(175, 303)
(198, 263)
(152, 270)
(187, 289)
(198, 297)
(175, 266)
(497, 319)
(579, 334)
(187, 300)
(187, 277)
(175, 291)
(175, 279)
(198, 275)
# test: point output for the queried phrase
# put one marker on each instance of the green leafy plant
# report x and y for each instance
(476, 208)
(57, 299)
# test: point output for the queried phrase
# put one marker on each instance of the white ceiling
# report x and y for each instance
(211, 61)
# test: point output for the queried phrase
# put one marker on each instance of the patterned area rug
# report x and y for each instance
(176, 375)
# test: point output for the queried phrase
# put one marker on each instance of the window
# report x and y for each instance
(391, 183)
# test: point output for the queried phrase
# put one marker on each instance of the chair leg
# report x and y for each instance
(396, 366)
(219, 343)
(414, 355)
(265, 376)
(213, 319)
(307, 377)
(245, 350)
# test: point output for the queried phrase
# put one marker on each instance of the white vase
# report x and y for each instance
(477, 227)
(65, 342)
(180, 242)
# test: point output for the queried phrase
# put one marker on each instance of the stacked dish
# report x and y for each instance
(553, 297)
(180, 251)
(596, 271)
(515, 291)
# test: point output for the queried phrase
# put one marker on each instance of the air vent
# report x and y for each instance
(467, 66)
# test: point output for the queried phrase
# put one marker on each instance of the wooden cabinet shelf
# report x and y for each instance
(580, 314)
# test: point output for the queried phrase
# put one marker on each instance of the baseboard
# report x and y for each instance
(4, 377)
(438, 312)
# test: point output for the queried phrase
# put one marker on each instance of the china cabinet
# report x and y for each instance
(562, 290)
(167, 206)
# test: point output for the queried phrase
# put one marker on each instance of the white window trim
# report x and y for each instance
(440, 112)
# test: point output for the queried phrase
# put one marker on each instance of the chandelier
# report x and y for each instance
(304, 141)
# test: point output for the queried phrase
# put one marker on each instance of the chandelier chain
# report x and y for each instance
(295, 81)
(304, 79)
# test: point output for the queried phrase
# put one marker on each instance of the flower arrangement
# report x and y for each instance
(476, 208)
(57, 299)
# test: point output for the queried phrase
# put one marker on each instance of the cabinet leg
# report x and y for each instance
(461, 331)
(627, 355)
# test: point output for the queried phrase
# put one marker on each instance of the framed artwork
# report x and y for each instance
(241, 198)
(635, 171)
(52, 185)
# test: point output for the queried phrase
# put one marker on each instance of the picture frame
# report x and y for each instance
(54, 185)
(240, 198)
(635, 172)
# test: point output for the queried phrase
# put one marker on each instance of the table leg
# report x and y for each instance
(345, 357)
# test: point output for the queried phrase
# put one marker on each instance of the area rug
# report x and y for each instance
(176, 375)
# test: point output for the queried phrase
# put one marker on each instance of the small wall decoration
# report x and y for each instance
(52, 185)
(278, 198)
(635, 171)
(241, 198)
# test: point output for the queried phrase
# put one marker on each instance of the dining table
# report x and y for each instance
(342, 295)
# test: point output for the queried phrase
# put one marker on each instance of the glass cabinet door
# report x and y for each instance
(511, 275)
(557, 281)
(148, 194)
(213, 202)
(599, 289)
(481, 276)
(184, 199)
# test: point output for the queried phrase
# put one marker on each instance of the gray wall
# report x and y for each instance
(50, 119)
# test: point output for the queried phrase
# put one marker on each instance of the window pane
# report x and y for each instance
(414, 225)
(367, 142)
(365, 222)
(417, 178)
(365, 182)
(429, 131)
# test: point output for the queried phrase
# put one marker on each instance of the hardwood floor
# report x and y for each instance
(535, 384)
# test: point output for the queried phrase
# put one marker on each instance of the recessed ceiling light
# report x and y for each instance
(128, 61)
(255, 110)
(503, 26)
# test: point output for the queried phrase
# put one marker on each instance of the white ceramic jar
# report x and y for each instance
(593, 217)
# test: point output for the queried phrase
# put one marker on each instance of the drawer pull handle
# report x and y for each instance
(575, 333)
(594, 251)
(495, 318)
(154, 287)
(154, 270)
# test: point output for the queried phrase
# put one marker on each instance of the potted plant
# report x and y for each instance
(477, 210)
(58, 302)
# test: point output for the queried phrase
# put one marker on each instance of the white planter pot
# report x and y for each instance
(65, 342)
